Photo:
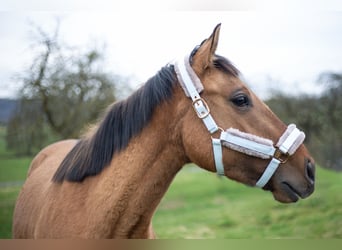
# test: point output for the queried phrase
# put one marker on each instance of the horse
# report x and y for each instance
(108, 183)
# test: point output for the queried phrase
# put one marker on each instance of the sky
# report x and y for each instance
(276, 45)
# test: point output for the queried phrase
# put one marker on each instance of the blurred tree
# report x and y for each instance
(332, 129)
(63, 90)
(302, 110)
(319, 116)
(26, 130)
(332, 98)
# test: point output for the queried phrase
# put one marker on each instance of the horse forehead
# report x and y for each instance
(219, 82)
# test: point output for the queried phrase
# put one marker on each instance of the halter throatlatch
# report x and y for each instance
(234, 139)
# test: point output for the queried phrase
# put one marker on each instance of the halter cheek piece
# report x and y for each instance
(234, 139)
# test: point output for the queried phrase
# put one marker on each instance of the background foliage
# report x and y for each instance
(62, 91)
(319, 116)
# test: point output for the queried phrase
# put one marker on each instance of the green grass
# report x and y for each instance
(8, 196)
(201, 205)
(12, 173)
(12, 168)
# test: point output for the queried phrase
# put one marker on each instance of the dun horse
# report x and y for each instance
(109, 183)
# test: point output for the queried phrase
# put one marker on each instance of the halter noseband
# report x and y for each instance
(234, 139)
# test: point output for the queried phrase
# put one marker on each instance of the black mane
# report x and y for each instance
(226, 66)
(124, 120)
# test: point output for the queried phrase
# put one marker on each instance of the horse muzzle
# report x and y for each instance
(288, 190)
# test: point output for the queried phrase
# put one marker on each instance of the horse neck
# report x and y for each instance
(139, 176)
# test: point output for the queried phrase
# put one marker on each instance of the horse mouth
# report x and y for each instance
(291, 192)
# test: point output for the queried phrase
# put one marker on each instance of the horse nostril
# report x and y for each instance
(310, 171)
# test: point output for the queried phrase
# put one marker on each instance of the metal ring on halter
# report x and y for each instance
(218, 129)
(281, 156)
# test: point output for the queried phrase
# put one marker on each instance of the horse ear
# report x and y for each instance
(204, 54)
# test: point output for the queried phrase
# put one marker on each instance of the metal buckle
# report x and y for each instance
(219, 129)
(201, 107)
(281, 156)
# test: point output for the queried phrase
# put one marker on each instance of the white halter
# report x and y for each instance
(234, 139)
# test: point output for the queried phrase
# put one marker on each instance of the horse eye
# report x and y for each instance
(241, 100)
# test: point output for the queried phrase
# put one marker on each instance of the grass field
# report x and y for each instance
(201, 205)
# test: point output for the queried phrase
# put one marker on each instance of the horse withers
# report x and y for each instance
(109, 183)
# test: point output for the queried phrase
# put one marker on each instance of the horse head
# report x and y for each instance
(231, 131)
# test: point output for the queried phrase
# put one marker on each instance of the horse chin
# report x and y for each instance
(285, 193)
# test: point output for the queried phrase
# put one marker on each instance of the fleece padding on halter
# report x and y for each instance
(263, 148)
(247, 143)
(196, 82)
(291, 140)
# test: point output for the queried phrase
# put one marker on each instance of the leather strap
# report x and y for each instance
(268, 173)
(248, 144)
(217, 149)
(294, 139)
(199, 104)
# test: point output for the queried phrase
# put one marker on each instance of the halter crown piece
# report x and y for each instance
(234, 139)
